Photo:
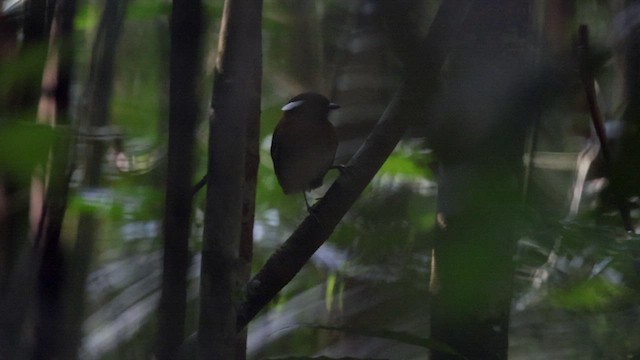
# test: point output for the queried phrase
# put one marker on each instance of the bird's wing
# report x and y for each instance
(275, 145)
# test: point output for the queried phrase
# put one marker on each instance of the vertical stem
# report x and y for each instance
(186, 28)
(588, 81)
(478, 186)
(236, 98)
(252, 162)
(51, 272)
(94, 114)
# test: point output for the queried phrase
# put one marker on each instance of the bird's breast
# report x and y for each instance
(303, 151)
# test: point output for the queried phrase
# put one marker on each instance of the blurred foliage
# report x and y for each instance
(18, 72)
(87, 17)
(395, 335)
(23, 146)
(144, 10)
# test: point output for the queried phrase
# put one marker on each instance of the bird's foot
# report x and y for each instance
(344, 169)
(310, 208)
(341, 168)
(313, 212)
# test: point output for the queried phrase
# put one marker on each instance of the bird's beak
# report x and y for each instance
(333, 106)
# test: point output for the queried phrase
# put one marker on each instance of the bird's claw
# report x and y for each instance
(310, 208)
(343, 169)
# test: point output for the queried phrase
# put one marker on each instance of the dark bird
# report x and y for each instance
(304, 143)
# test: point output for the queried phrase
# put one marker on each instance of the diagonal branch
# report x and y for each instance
(407, 106)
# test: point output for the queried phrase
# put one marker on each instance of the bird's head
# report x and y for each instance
(310, 105)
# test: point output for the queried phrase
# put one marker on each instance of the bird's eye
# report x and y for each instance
(292, 105)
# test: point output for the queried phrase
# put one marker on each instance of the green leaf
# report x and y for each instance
(24, 71)
(329, 293)
(97, 201)
(22, 146)
(398, 164)
(589, 295)
(408, 161)
(148, 10)
(86, 18)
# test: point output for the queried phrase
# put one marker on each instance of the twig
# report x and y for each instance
(586, 73)
(199, 185)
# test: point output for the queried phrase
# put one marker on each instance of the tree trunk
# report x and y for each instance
(186, 28)
(252, 163)
(236, 99)
(95, 115)
(50, 258)
(17, 272)
(478, 138)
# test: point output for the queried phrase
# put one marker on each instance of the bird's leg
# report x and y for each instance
(310, 208)
(341, 168)
(306, 202)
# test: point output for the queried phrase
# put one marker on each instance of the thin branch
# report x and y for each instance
(588, 81)
(199, 185)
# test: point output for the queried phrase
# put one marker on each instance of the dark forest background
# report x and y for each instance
(488, 209)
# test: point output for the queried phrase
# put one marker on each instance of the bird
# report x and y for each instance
(304, 143)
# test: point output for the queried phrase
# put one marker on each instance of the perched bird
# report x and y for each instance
(304, 143)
